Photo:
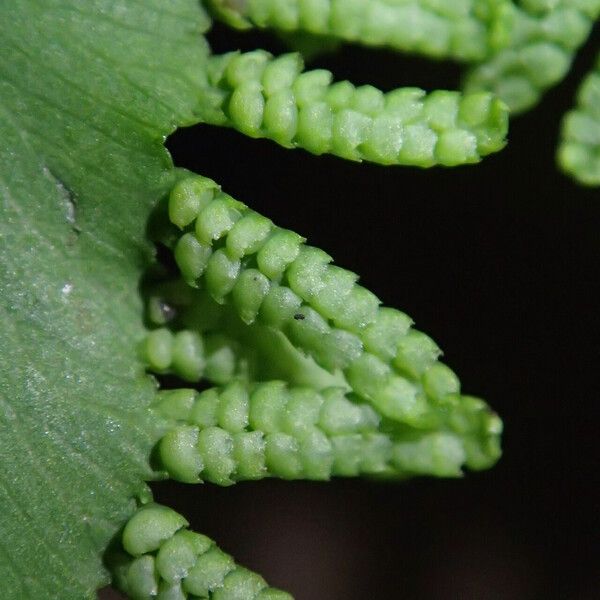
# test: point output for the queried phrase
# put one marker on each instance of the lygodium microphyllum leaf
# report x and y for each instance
(464, 30)
(257, 280)
(179, 563)
(544, 36)
(304, 374)
(273, 98)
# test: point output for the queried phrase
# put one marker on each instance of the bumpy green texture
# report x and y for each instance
(460, 29)
(160, 559)
(579, 150)
(213, 356)
(274, 98)
(225, 346)
(250, 431)
(544, 37)
(274, 297)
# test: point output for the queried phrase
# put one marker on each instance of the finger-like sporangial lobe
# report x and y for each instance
(250, 431)
(158, 557)
(277, 285)
(214, 356)
(544, 36)
(579, 150)
(465, 30)
(266, 97)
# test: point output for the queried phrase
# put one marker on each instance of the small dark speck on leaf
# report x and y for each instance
(299, 316)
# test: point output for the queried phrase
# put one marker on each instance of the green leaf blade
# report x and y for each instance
(82, 123)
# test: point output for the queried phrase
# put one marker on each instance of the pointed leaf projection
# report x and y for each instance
(399, 411)
(158, 557)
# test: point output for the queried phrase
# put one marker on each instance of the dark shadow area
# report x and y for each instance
(499, 263)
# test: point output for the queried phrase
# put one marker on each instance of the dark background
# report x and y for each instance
(499, 263)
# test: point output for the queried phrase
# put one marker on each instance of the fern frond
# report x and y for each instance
(545, 34)
(266, 97)
(160, 559)
(464, 30)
